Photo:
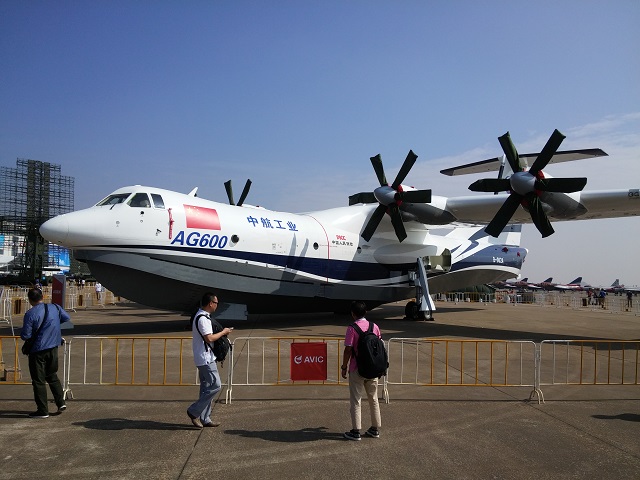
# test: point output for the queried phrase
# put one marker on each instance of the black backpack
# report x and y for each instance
(221, 346)
(371, 356)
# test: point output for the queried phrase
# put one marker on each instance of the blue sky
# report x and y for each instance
(298, 95)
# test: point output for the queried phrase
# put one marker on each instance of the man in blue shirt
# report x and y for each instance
(43, 357)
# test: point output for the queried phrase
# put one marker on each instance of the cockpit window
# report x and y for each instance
(157, 200)
(140, 200)
(114, 199)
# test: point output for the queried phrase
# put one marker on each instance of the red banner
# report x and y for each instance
(58, 290)
(308, 361)
(202, 218)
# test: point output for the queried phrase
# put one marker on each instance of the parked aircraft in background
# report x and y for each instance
(615, 287)
(512, 284)
(544, 285)
(576, 284)
(164, 249)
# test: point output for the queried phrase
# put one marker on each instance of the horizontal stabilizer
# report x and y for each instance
(493, 164)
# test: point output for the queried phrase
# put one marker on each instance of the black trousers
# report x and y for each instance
(43, 367)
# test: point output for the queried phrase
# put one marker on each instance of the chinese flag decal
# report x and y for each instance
(202, 218)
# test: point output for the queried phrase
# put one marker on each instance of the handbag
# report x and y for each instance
(28, 343)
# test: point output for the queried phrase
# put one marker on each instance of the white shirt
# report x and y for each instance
(202, 355)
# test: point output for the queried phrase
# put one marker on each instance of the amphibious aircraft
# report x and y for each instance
(164, 249)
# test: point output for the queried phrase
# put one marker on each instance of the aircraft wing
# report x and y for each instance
(493, 164)
(581, 206)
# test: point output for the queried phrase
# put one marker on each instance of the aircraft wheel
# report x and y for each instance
(411, 311)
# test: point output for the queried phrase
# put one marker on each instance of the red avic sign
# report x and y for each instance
(308, 361)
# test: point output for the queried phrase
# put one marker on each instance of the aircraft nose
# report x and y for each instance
(55, 230)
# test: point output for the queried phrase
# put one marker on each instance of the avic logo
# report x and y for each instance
(300, 359)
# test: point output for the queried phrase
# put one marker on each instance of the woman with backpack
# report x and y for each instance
(365, 358)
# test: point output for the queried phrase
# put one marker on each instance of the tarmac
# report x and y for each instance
(114, 432)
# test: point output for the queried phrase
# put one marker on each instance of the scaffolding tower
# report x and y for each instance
(31, 194)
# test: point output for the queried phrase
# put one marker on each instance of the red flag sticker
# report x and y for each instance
(201, 217)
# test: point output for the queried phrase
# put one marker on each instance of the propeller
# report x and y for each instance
(390, 197)
(526, 186)
(243, 196)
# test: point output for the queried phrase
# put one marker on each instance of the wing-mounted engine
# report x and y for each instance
(526, 187)
(393, 199)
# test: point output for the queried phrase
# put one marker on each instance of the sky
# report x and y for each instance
(297, 96)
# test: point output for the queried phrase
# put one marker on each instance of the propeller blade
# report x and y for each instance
(379, 169)
(563, 185)
(510, 151)
(539, 217)
(490, 185)
(245, 192)
(547, 152)
(373, 222)
(396, 221)
(404, 170)
(227, 187)
(415, 196)
(362, 197)
(503, 216)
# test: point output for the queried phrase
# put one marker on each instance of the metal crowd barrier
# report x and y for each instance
(10, 362)
(463, 363)
(129, 361)
(14, 366)
(265, 361)
(589, 362)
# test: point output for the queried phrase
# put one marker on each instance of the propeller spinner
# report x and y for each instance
(390, 197)
(243, 196)
(526, 186)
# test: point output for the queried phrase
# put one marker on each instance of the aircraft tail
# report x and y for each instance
(616, 283)
(577, 281)
(548, 280)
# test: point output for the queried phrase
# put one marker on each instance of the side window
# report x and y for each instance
(140, 200)
(157, 200)
(114, 199)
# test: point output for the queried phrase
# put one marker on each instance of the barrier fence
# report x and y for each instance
(589, 362)
(129, 361)
(474, 363)
(15, 302)
(253, 360)
(267, 361)
(611, 303)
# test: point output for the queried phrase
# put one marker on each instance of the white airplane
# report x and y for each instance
(164, 249)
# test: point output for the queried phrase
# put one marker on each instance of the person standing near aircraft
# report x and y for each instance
(200, 411)
(358, 385)
(42, 324)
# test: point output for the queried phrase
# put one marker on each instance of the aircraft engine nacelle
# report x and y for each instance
(562, 205)
(434, 213)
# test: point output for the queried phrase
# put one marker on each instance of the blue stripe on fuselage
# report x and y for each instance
(345, 270)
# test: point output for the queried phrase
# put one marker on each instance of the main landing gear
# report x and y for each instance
(423, 307)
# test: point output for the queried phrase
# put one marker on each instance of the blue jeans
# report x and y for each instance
(209, 385)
